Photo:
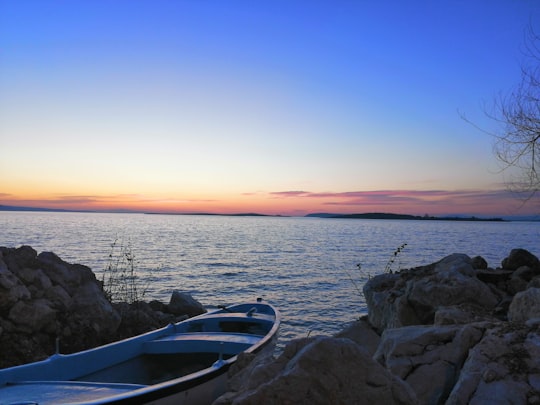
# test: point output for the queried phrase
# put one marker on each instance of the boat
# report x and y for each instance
(182, 363)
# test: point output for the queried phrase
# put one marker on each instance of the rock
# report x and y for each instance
(19, 258)
(525, 306)
(250, 371)
(412, 297)
(501, 369)
(478, 262)
(11, 289)
(33, 315)
(322, 370)
(516, 285)
(444, 336)
(157, 306)
(524, 272)
(382, 303)
(88, 299)
(494, 276)
(139, 317)
(34, 277)
(184, 304)
(534, 283)
(362, 334)
(69, 276)
(462, 314)
(42, 297)
(59, 298)
(428, 358)
(521, 257)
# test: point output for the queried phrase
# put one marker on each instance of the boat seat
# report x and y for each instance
(201, 342)
(239, 316)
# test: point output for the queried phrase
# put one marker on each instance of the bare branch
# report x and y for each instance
(518, 113)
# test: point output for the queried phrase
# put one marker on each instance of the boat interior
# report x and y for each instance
(178, 350)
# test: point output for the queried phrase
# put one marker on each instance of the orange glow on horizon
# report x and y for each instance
(295, 203)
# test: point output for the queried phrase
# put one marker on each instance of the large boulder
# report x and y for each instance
(43, 297)
(503, 368)
(184, 304)
(428, 358)
(525, 305)
(33, 315)
(88, 300)
(412, 297)
(11, 288)
(320, 370)
(362, 333)
(521, 257)
(69, 276)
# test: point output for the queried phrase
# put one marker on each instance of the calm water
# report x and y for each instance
(302, 265)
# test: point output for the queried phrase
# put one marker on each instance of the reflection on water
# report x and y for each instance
(302, 265)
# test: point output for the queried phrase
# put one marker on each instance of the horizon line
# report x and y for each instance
(14, 208)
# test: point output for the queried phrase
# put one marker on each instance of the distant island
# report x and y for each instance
(246, 214)
(383, 215)
(126, 211)
(369, 215)
(35, 209)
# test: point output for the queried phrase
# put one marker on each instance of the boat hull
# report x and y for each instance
(184, 363)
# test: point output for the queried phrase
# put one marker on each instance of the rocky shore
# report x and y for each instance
(453, 332)
(47, 303)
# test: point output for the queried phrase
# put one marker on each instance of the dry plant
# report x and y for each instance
(120, 280)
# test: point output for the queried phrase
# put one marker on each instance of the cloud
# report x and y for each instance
(288, 194)
(69, 200)
(498, 200)
(395, 195)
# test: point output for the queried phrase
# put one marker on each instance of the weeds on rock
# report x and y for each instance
(120, 279)
(356, 286)
(388, 268)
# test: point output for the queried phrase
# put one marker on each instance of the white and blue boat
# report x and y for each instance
(182, 363)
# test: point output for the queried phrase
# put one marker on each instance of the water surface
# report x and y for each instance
(307, 267)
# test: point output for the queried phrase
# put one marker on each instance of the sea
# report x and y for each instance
(311, 269)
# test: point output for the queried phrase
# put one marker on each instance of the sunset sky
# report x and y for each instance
(275, 107)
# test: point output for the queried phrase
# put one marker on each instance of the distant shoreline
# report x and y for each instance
(370, 215)
(383, 215)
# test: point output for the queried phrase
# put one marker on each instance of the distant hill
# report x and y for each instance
(125, 211)
(384, 215)
(41, 209)
(15, 208)
(369, 215)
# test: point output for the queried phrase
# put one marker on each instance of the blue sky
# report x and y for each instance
(269, 106)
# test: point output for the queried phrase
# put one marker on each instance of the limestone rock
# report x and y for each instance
(33, 315)
(521, 257)
(88, 299)
(428, 358)
(43, 297)
(69, 276)
(478, 262)
(493, 276)
(412, 297)
(19, 258)
(503, 368)
(322, 370)
(362, 334)
(58, 297)
(462, 314)
(525, 306)
(534, 283)
(11, 288)
(183, 303)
